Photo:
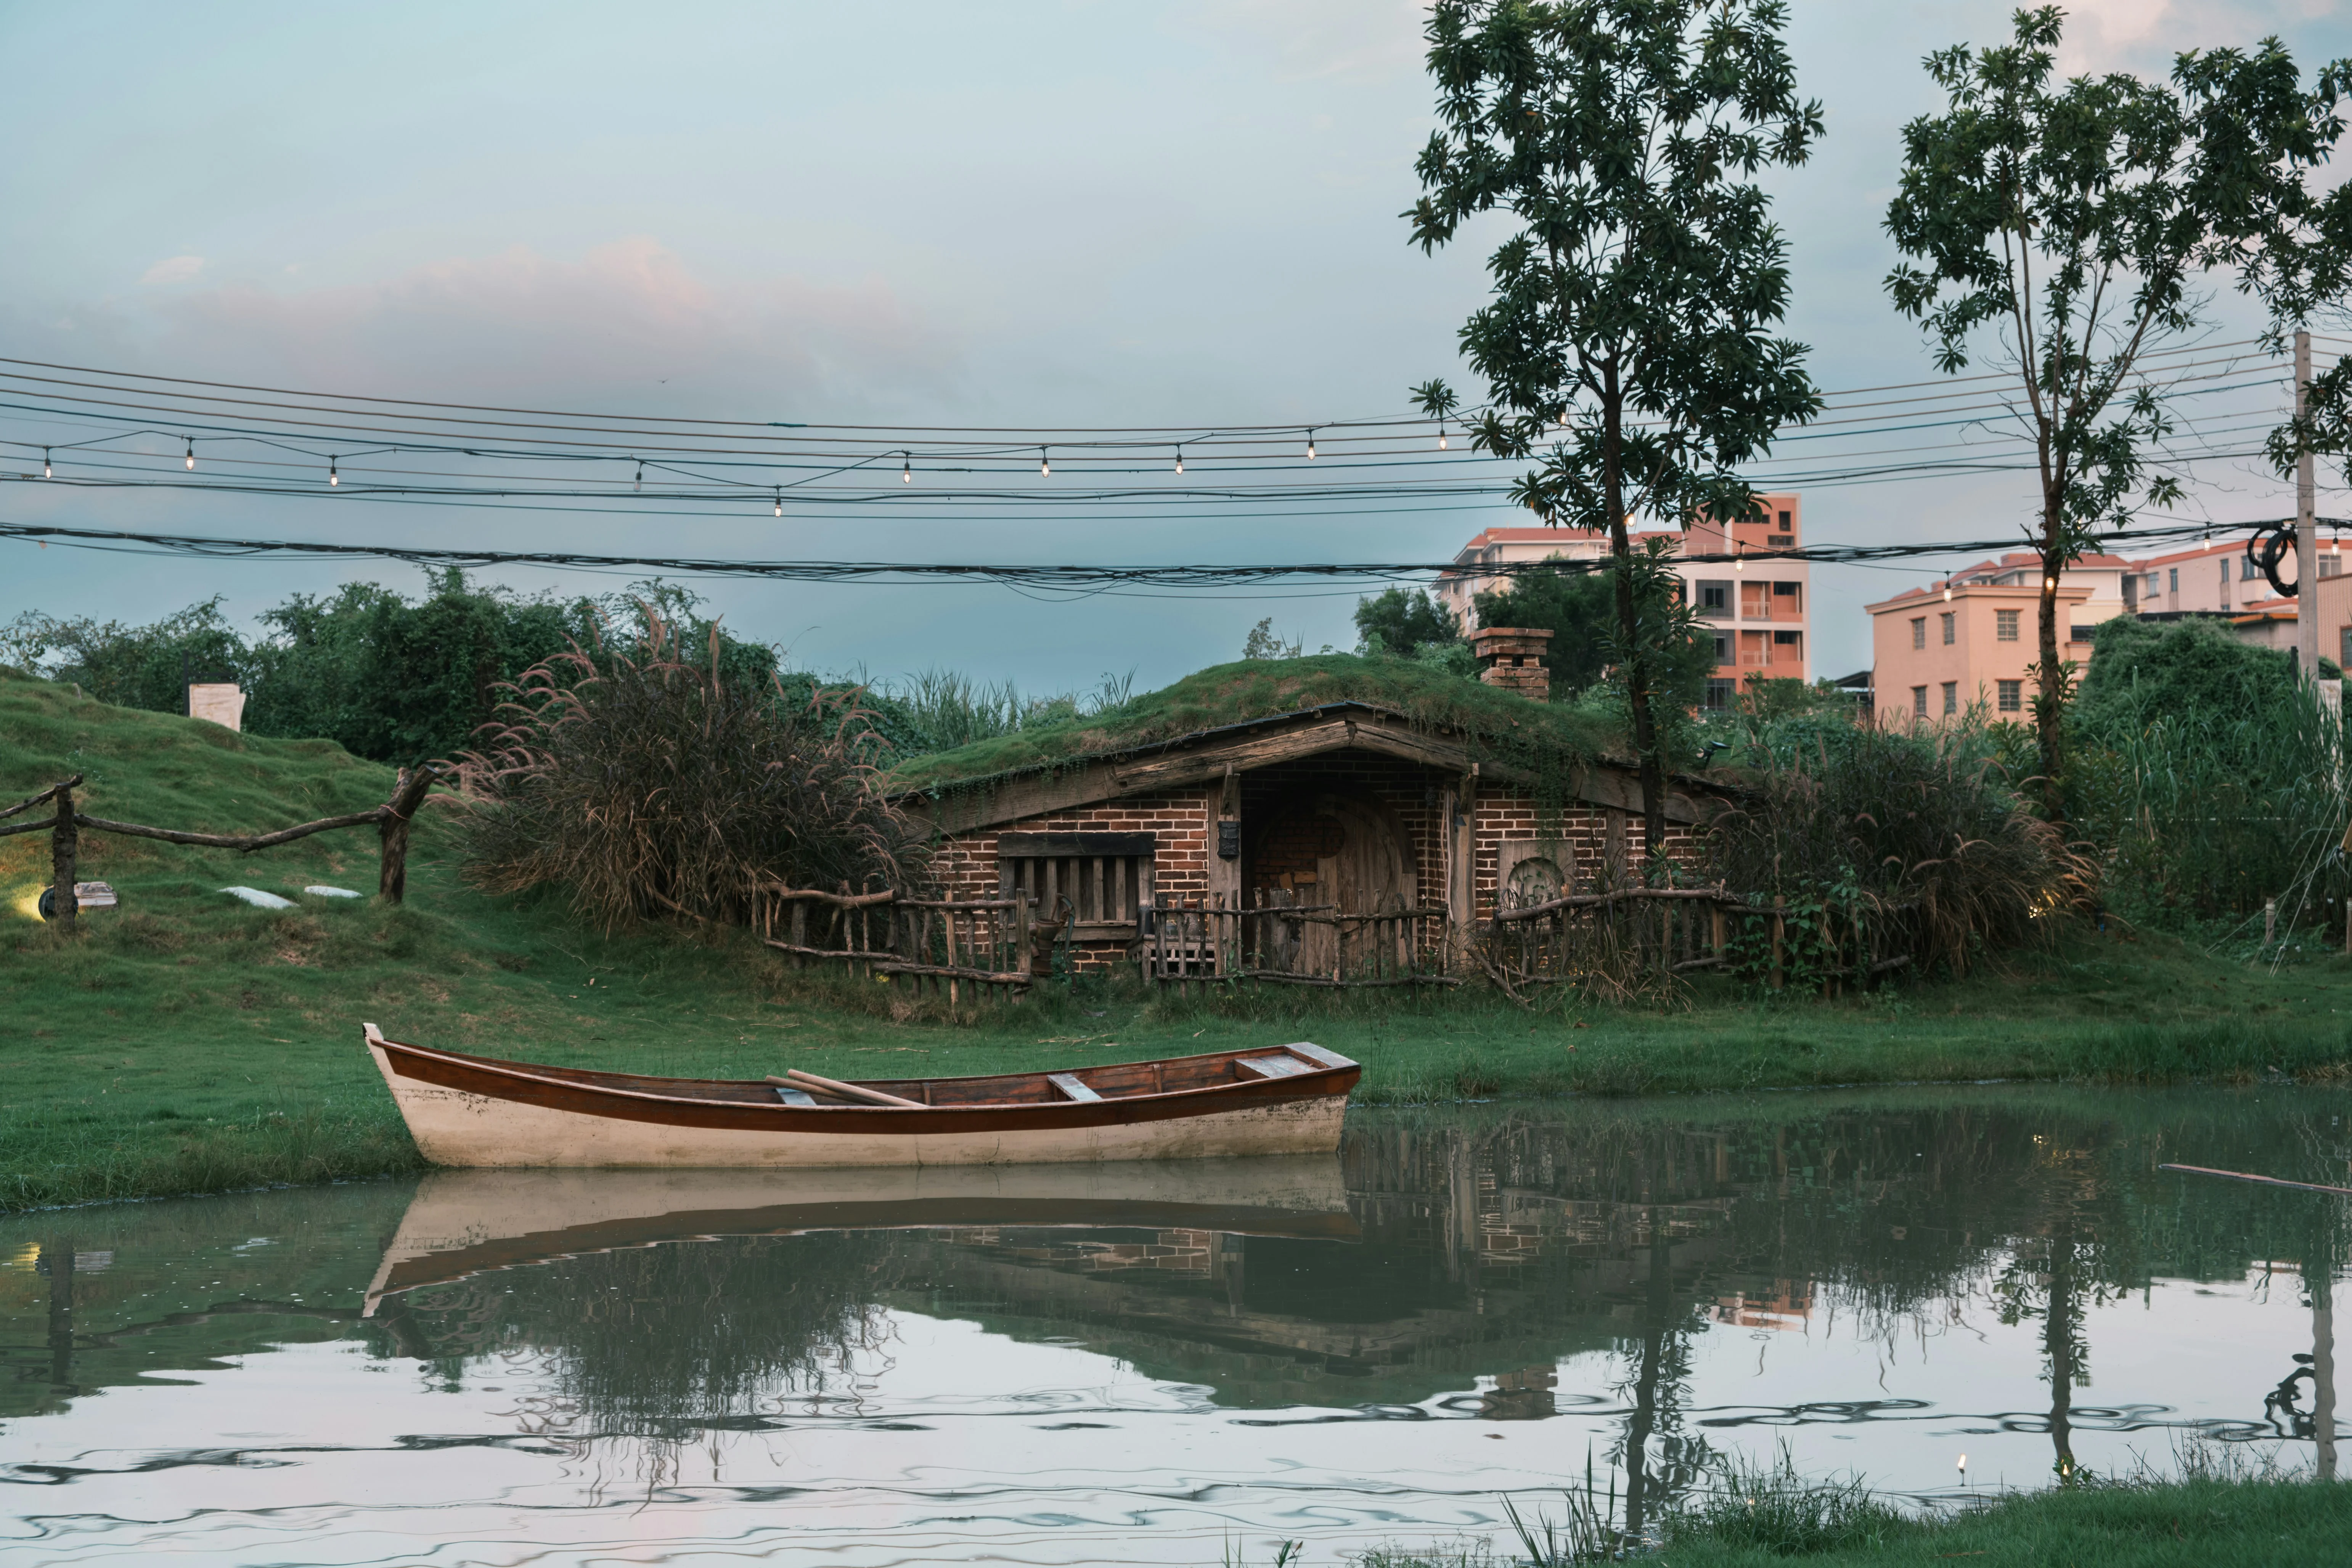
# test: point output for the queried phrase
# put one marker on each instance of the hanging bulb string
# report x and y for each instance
(1179, 459)
(1044, 464)
(1310, 443)
(906, 468)
(780, 502)
(333, 479)
(47, 473)
(192, 451)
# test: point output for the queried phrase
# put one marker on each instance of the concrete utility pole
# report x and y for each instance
(2306, 529)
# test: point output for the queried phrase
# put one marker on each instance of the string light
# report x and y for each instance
(1441, 437)
(779, 504)
(1310, 443)
(2049, 585)
(906, 468)
(192, 451)
(46, 472)
(641, 474)
(332, 478)
(1179, 459)
(1948, 593)
(1044, 467)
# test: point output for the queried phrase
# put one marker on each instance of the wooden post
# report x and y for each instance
(1780, 937)
(2269, 921)
(800, 931)
(64, 845)
(391, 832)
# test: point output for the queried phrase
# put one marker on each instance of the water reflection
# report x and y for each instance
(932, 1364)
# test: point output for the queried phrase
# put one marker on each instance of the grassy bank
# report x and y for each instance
(2202, 1522)
(185, 1042)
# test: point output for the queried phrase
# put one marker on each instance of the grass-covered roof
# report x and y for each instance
(1539, 736)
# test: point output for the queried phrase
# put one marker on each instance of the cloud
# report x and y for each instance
(174, 269)
(627, 324)
(2143, 35)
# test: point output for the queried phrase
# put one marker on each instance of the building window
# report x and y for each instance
(1784, 520)
(2012, 696)
(1787, 640)
(1723, 647)
(1951, 631)
(1951, 696)
(1790, 591)
(1920, 700)
(2078, 633)
(2344, 648)
(1715, 598)
(1919, 635)
(2174, 573)
(1719, 690)
(2004, 625)
(1106, 877)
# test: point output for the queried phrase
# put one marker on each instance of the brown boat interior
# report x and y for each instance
(1122, 1080)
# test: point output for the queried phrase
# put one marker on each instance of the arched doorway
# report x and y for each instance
(1334, 854)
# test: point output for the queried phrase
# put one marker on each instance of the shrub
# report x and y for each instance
(1918, 835)
(644, 784)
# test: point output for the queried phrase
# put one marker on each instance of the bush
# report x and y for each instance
(1918, 835)
(647, 785)
(2208, 776)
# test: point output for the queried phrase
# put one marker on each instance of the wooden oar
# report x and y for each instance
(796, 1078)
(2261, 1181)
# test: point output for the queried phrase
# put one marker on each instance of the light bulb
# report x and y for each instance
(192, 452)
(779, 504)
(46, 472)
(332, 478)
(2048, 583)
(1179, 459)
(1948, 593)
(641, 477)
(1045, 469)
(1738, 564)
(905, 469)
(1310, 446)
(1441, 437)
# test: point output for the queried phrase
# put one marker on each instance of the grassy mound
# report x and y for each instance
(1539, 735)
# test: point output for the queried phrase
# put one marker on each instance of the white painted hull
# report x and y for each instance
(457, 1127)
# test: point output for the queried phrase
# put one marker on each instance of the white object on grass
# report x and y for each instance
(259, 900)
(332, 892)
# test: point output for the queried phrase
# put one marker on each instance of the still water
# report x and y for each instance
(1162, 1365)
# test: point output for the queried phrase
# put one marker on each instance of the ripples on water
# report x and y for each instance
(1074, 1366)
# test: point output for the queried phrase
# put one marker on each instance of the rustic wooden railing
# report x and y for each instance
(939, 945)
(65, 825)
(1197, 941)
(1621, 936)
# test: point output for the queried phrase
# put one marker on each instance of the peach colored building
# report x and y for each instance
(1936, 655)
(1759, 613)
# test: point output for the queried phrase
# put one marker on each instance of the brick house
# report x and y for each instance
(1347, 802)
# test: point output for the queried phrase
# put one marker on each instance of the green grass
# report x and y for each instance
(2203, 1522)
(1495, 720)
(186, 1043)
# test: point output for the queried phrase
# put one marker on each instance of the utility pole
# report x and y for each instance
(2307, 528)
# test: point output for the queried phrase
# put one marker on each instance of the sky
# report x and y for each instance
(915, 214)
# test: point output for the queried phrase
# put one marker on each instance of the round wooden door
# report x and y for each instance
(1363, 865)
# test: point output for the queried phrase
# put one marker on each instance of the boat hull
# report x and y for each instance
(465, 1111)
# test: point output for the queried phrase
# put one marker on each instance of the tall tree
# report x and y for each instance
(2069, 224)
(1628, 346)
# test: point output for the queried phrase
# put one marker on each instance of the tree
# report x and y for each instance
(1579, 608)
(1628, 346)
(2068, 225)
(1403, 621)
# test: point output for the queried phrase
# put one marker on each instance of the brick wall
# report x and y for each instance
(1593, 846)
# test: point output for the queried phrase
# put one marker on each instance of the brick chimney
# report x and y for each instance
(1513, 658)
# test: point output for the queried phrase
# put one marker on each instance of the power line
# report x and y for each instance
(1066, 576)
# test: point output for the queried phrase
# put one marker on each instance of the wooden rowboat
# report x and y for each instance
(476, 1111)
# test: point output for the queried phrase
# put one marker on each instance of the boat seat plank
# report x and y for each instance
(1069, 1085)
(794, 1096)
(1318, 1055)
(1276, 1065)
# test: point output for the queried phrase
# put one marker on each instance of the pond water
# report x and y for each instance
(1169, 1365)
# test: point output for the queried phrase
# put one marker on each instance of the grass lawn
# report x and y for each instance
(186, 1043)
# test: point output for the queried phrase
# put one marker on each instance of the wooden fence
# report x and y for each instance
(1630, 936)
(1190, 942)
(942, 946)
(65, 825)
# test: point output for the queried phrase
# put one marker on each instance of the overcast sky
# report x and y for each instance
(919, 213)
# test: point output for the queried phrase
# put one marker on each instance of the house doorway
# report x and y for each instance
(1329, 855)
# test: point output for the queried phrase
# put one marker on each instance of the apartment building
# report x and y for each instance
(1759, 614)
(1969, 638)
